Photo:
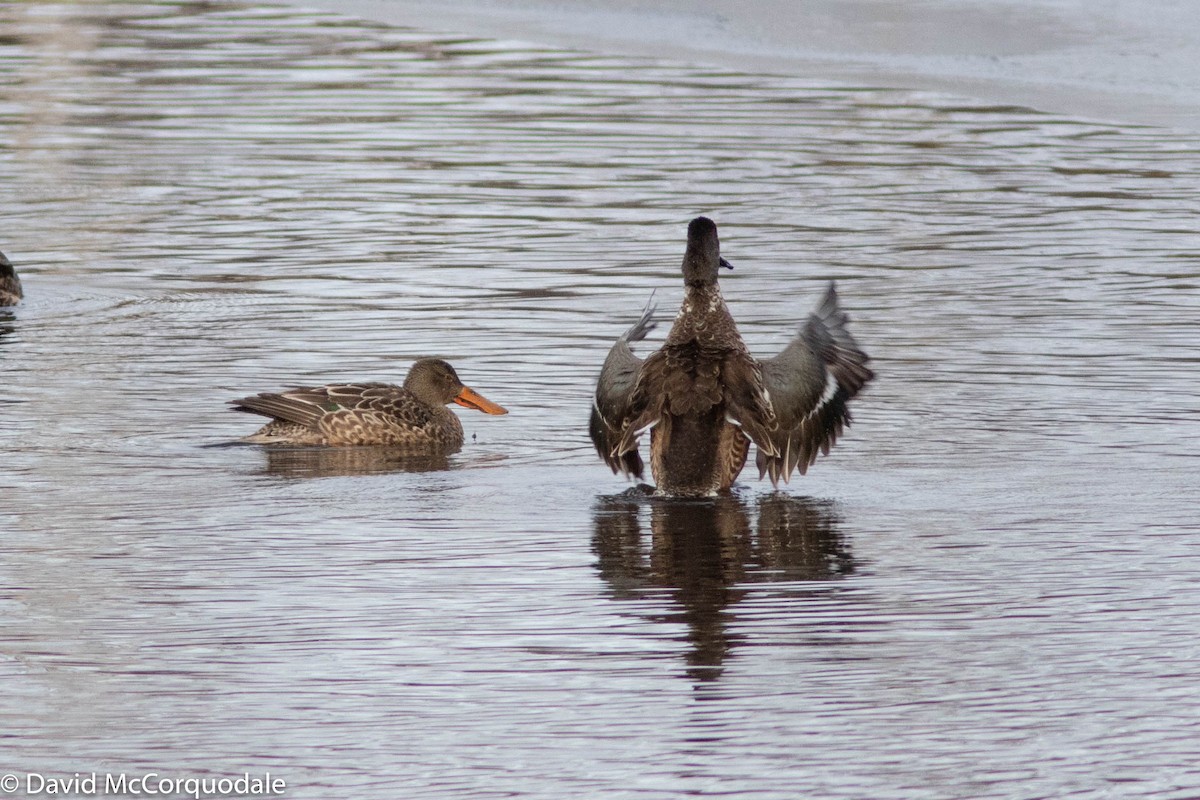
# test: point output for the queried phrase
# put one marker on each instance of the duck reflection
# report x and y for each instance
(326, 462)
(707, 553)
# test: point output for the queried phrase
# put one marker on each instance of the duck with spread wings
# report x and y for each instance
(704, 398)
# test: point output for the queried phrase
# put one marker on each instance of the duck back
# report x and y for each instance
(694, 449)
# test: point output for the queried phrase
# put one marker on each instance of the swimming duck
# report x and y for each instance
(10, 284)
(411, 417)
(704, 398)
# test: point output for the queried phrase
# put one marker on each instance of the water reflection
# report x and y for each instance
(327, 462)
(707, 553)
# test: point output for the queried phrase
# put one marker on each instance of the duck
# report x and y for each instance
(10, 284)
(704, 398)
(411, 418)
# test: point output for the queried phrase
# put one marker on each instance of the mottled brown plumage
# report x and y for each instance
(10, 284)
(704, 397)
(412, 417)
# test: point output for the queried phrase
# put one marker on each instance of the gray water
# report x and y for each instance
(991, 588)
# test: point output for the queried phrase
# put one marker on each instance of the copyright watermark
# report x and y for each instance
(145, 784)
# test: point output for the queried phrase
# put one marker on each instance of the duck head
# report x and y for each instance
(702, 259)
(434, 382)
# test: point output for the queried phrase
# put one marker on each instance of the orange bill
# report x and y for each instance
(472, 399)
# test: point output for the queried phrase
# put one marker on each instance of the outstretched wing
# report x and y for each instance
(614, 391)
(810, 383)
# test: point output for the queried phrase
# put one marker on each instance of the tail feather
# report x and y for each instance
(278, 406)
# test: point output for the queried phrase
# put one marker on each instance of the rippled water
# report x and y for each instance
(989, 590)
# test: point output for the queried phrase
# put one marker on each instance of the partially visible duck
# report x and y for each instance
(10, 284)
(412, 417)
(704, 398)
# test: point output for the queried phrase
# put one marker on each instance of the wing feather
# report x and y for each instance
(307, 405)
(612, 403)
(748, 402)
(810, 384)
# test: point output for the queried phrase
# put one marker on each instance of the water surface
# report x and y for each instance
(988, 590)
